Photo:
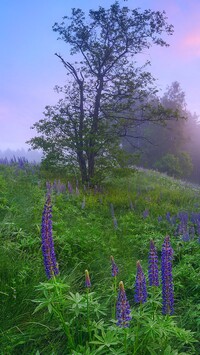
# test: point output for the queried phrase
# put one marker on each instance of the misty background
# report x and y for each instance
(29, 71)
(172, 147)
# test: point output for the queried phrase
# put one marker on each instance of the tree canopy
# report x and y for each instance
(170, 137)
(106, 91)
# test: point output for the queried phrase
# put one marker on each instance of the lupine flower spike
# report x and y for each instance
(123, 308)
(114, 272)
(48, 187)
(153, 265)
(112, 210)
(140, 285)
(87, 279)
(167, 280)
(145, 214)
(115, 269)
(50, 263)
(83, 203)
(115, 222)
(70, 189)
(77, 190)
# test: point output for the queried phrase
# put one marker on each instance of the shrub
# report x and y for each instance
(176, 165)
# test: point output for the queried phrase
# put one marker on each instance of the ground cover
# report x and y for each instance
(120, 219)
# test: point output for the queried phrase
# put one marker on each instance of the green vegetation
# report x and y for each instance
(61, 315)
(177, 166)
(107, 92)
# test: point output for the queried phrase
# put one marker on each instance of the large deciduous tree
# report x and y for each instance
(104, 85)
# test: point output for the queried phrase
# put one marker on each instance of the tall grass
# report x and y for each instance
(53, 317)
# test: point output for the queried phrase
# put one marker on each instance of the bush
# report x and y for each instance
(179, 166)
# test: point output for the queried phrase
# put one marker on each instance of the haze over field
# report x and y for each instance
(29, 70)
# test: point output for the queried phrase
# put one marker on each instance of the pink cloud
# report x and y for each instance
(185, 42)
(190, 44)
(187, 30)
(193, 40)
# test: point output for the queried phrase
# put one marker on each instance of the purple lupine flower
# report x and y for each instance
(59, 187)
(193, 218)
(77, 190)
(50, 264)
(87, 279)
(183, 229)
(153, 265)
(115, 269)
(115, 222)
(4, 161)
(54, 186)
(183, 216)
(186, 237)
(70, 189)
(83, 203)
(62, 188)
(112, 210)
(183, 226)
(122, 308)
(167, 279)
(48, 187)
(180, 229)
(168, 217)
(145, 214)
(22, 162)
(192, 232)
(173, 220)
(198, 227)
(159, 218)
(140, 285)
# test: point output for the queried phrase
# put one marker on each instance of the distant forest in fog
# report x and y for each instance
(173, 147)
(31, 156)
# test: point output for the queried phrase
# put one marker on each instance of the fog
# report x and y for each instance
(31, 156)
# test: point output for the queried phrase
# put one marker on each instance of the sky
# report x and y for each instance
(29, 69)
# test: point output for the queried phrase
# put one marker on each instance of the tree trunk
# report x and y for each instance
(91, 164)
(83, 168)
(94, 130)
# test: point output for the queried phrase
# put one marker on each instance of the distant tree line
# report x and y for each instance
(31, 156)
(172, 146)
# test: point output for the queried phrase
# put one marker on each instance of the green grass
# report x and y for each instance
(85, 238)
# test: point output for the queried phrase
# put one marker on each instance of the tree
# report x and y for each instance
(104, 83)
(168, 138)
(179, 166)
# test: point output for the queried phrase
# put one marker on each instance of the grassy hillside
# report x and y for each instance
(120, 218)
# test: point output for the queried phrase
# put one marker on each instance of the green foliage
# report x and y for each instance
(169, 163)
(177, 166)
(186, 165)
(104, 89)
(60, 315)
(3, 200)
(172, 137)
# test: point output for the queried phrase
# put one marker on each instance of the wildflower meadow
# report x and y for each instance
(110, 269)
